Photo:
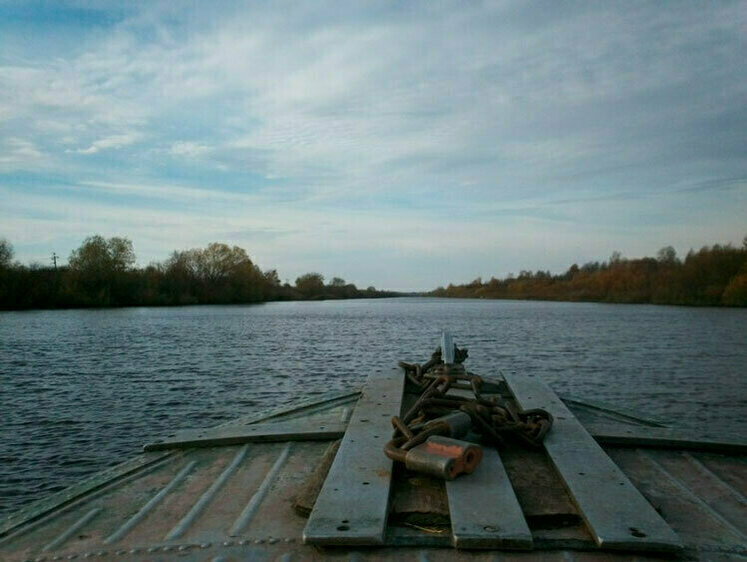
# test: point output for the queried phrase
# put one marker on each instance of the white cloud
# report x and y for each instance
(189, 149)
(18, 153)
(490, 112)
(113, 141)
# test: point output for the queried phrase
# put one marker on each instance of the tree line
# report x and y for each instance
(102, 273)
(712, 276)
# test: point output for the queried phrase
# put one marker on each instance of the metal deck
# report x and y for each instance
(221, 501)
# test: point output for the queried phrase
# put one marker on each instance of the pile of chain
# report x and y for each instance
(436, 413)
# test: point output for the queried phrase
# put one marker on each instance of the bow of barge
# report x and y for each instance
(312, 482)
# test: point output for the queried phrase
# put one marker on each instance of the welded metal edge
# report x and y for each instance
(303, 407)
(294, 430)
(625, 413)
(664, 438)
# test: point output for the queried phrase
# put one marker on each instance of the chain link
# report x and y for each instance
(493, 417)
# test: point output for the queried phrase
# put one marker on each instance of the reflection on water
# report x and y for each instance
(81, 390)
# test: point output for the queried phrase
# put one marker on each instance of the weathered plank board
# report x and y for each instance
(541, 494)
(309, 490)
(617, 515)
(353, 504)
(484, 510)
(294, 430)
(665, 438)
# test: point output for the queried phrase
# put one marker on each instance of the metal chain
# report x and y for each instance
(492, 417)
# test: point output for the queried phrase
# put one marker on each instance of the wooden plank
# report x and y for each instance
(295, 430)
(537, 486)
(309, 490)
(665, 438)
(484, 510)
(353, 504)
(617, 515)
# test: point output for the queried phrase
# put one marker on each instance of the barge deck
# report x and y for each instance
(311, 482)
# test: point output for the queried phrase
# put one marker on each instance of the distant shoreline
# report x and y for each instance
(393, 295)
(100, 274)
(713, 276)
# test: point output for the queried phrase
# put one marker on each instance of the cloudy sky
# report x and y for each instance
(399, 144)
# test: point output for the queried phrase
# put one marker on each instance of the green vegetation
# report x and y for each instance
(101, 273)
(715, 276)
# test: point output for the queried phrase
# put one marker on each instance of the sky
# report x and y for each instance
(403, 145)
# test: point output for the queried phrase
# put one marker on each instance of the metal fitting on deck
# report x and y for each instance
(456, 424)
(444, 457)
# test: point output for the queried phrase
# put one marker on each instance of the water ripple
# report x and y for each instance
(82, 390)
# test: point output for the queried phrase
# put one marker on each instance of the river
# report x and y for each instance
(81, 390)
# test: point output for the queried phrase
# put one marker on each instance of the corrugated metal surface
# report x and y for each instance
(235, 503)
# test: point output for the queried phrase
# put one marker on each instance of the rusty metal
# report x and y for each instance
(444, 457)
(436, 413)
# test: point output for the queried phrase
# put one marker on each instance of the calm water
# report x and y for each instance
(82, 390)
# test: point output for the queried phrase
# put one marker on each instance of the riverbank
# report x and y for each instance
(101, 273)
(713, 276)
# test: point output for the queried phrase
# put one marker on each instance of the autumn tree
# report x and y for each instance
(99, 269)
(310, 284)
(98, 254)
(102, 272)
(217, 273)
(667, 256)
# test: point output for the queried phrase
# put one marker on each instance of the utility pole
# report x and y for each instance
(54, 260)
